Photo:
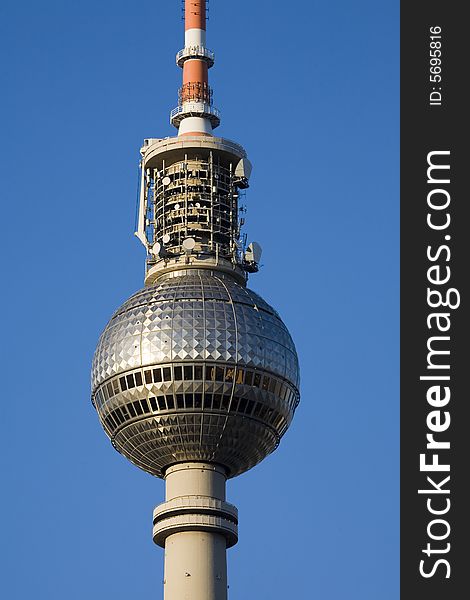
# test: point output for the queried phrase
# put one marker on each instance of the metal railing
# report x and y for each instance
(195, 52)
(191, 107)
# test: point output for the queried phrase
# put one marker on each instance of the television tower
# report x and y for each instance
(195, 378)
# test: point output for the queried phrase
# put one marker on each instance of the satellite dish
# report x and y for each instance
(253, 252)
(155, 249)
(198, 205)
(188, 244)
(177, 206)
(166, 238)
(166, 180)
(243, 168)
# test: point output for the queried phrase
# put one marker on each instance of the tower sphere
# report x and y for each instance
(195, 367)
(195, 378)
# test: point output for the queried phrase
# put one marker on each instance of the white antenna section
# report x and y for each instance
(140, 233)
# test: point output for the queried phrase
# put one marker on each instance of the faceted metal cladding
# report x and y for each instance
(195, 368)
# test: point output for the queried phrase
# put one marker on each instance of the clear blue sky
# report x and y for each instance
(311, 91)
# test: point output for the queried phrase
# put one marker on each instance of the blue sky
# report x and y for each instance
(311, 91)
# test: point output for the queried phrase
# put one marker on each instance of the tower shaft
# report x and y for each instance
(195, 566)
(195, 526)
(195, 378)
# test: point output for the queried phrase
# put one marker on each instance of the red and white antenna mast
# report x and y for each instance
(195, 114)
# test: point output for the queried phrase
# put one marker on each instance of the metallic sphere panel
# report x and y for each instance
(195, 367)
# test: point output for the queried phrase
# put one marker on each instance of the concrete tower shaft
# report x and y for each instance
(195, 526)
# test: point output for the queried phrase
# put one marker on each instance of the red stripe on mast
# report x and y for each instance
(195, 14)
